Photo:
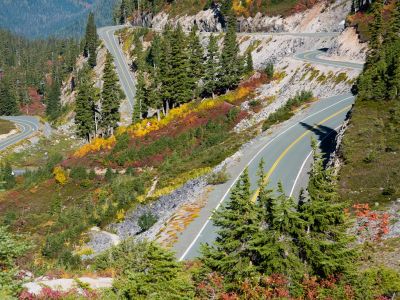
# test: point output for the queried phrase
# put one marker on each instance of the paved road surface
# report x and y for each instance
(125, 76)
(286, 153)
(27, 125)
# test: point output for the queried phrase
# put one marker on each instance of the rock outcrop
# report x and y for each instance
(323, 17)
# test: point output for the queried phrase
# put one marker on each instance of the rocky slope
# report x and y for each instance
(321, 18)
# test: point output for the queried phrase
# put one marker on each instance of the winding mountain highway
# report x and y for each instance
(26, 125)
(287, 154)
(286, 151)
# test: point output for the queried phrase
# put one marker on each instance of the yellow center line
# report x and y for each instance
(283, 154)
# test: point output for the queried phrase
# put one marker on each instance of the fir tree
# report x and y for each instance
(325, 243)
(230, 63)
(237, 222)
(166, 74)
(86, 99)
(91, 41)
(196, 61)
(110, 98)
(155, 52)
(180, 81)
(8, 100)
(211, 68)
(53, 100)
(140, 97)
(274, 247)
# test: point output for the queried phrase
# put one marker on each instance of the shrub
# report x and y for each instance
(146, 221)
(269, 70)
(60, 175)
(219, 177)
(78, 173)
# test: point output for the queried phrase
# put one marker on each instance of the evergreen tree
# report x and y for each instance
(140, 97)
(230, 63)
(376, 33)
(325, 243)
(53, 107)
(86, 99)
(91, 41)
(155, 52)
(211, 68)
(237, 222)
(8, 100)
(149, 272)
(180, 80)
(110, 98)
(196, 61)
(7, 179)
(274, 247)
(153, 98)
(249, 63)
(166, 74)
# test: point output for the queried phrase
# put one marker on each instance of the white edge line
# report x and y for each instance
(251, 161)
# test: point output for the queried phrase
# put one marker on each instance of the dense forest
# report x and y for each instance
(33, 69)
(42, 18)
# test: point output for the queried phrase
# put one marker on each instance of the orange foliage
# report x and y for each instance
(371, 221)
(96, 145)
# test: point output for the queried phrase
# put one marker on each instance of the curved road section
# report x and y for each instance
(107, 34)
(26, 125)
(286, 152)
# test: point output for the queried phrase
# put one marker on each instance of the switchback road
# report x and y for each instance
(27, 126)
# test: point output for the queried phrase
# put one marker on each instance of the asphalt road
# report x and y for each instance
(126, 78)
(287, 155)
(27, 125)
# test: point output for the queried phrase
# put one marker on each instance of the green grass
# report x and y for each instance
(371, 153)
(38, 154)
(6, 126)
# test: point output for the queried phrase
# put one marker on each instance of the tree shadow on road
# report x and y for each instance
(325, 135)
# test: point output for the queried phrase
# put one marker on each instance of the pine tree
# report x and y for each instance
(91, 41)
(274, 246)
(53, 107)
(211, 68)
(325, 243)
(155, 52)
(140, 97)
(376, 33)
(153, 98)
(237, 222)
(110, 98)
(230, 68)
(180, 81)
(8, 100)
(196, 61)
(86, 99)
(166, 74)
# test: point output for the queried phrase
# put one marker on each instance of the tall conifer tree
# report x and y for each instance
(325, 243)
(8, 100)
(86, 99)
(230, 66)
(110, 98)
(211, 67)
(91, 40)
(196, 61)
(237, 223)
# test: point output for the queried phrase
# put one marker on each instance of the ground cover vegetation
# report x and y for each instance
(6, 126)
(370, 146)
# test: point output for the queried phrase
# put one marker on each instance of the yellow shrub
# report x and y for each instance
(96, 145)
(120, 215)
(60, 175)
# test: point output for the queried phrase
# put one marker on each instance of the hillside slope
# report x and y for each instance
(43, 18)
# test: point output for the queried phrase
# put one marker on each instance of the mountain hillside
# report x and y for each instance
(41, 18)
